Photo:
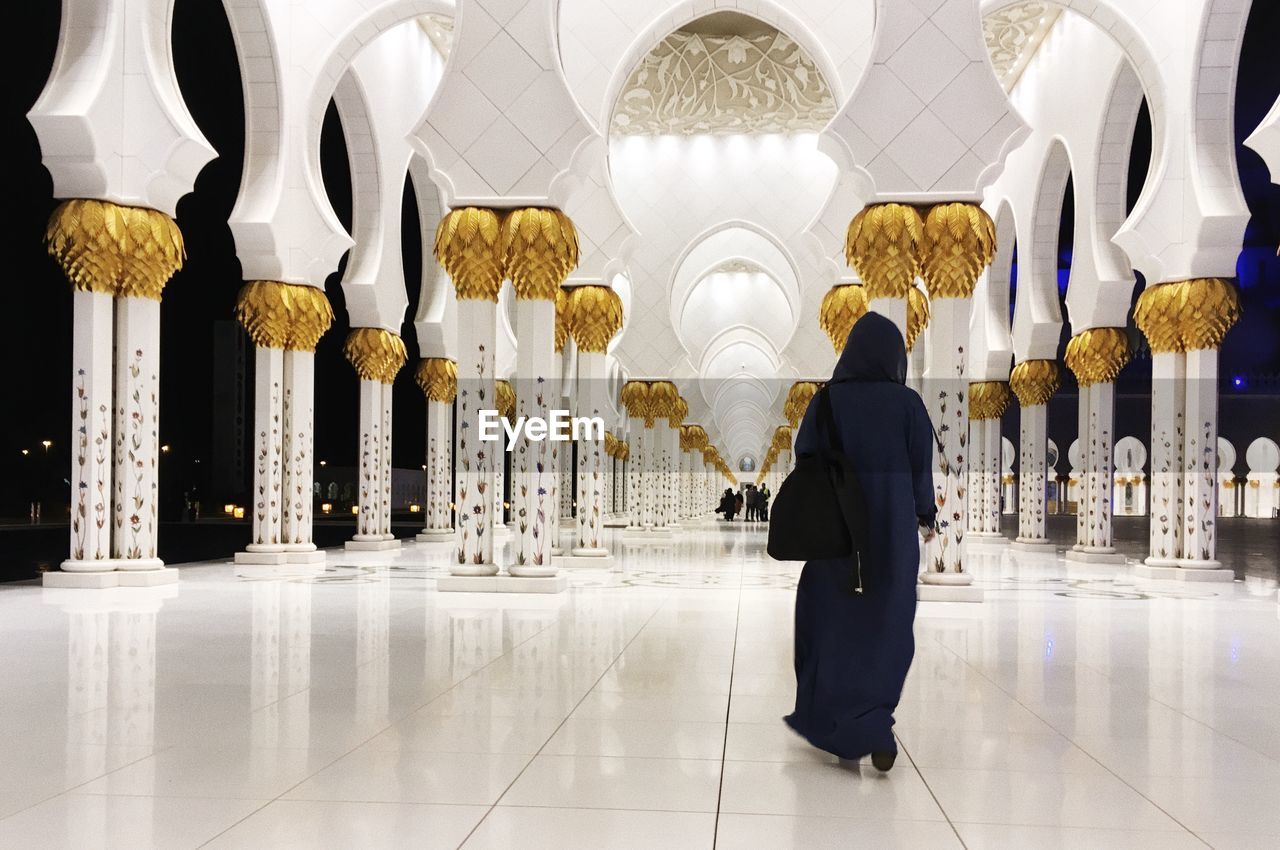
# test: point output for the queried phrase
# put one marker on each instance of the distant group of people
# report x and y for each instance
(755, 500)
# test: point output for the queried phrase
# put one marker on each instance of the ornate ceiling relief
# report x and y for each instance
(693, 83)
(1014, 34)
(439, 28)
(736, 266)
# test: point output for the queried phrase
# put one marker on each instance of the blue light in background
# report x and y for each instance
(1238, 382)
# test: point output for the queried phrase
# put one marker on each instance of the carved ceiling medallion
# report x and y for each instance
(694, 83)
(1013, 35)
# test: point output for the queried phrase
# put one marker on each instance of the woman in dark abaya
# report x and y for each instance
(853, 650)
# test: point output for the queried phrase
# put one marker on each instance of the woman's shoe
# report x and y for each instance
(884, 761)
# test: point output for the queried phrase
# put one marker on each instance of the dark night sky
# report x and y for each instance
(38, 349)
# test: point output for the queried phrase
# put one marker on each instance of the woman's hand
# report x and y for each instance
(928, 531)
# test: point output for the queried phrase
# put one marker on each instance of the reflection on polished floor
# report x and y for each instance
(362, 708)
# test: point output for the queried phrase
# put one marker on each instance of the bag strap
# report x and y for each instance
(827, 421)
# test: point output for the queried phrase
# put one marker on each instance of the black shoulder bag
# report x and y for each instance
(819, 511)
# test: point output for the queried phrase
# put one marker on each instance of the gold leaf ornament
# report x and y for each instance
(467, 246)
(562, 319)
(782, 438)
(1210, 307)
(504, 398)
(917, 314)
(663, 396)
(594, 317)
(539, 247)
(988, 399)
(635, 398)
(679, 410)
(291, 316)
(1096, 356)
(1034, 381)
(841, 307)
(798, 398)
(959, 242)
(376, 354)
(1156, 315)
(116, 249)
(438, 379)
(883, 246)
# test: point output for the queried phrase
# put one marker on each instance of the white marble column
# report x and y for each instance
(299, 469)
(637, 505)
(473, 537)
(1032, 441)
(92, 424)
(1200, 462)
(686, 484)
(667, 445)
(439, 457)
(992, 481)
(1168, 387)
(1082, 490)
(894, 309)
(137, 433)
(592, 402)
(1100, 472)
(384, 516)
(976, 477)
(268, 468)
(369, 489)
(946, 395)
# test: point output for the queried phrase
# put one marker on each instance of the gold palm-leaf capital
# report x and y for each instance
(594, 317)
(467, 246)
(438, 379)
(883, 246)
(959, 242)
(539, 247)
(841, 307)
(1034, 381)
(1209, 308)
(1096, 356)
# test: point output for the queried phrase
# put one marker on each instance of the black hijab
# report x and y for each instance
(874, 351)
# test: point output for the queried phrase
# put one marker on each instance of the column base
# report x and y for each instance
(1179, 573)
(590, 558)
(259, 557)
(957, 587)
(1096, 556)
(501, 584)
(89, 567)
(986, 538)
(473, 570)
(435, 535)
(371, 545)
(148, 578)
(1030, 544)
(547, 570)
(139, 565)
(114, 578)
(1152, 561)
(615, 522)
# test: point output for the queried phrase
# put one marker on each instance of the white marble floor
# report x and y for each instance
(361, 708)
